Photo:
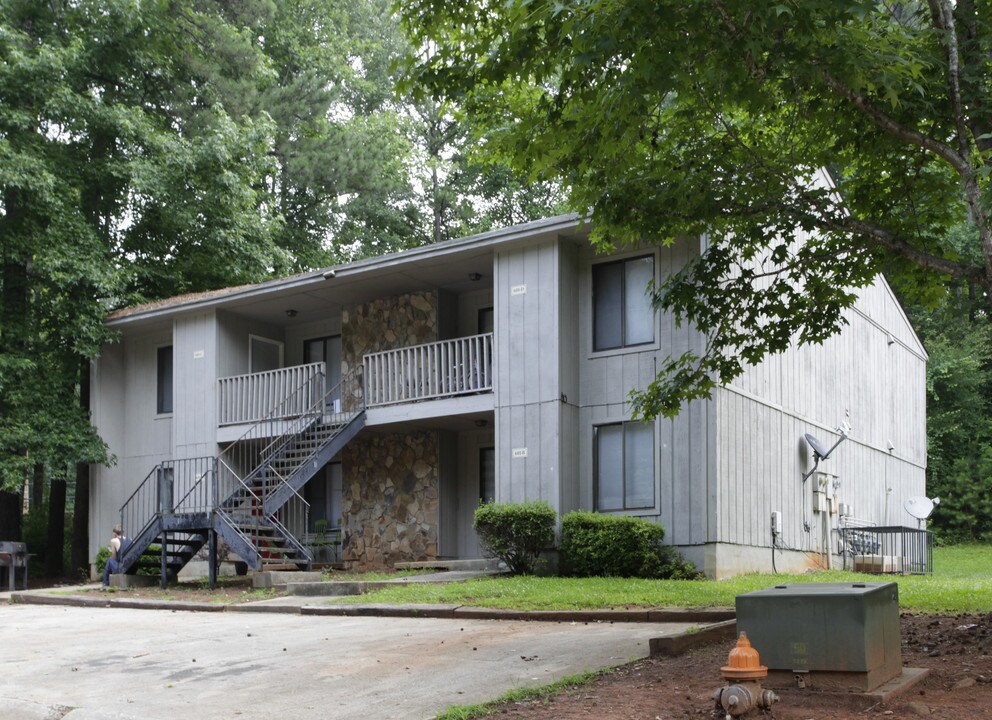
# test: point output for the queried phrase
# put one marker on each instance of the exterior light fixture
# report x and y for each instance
(474, 277)
(292, 313)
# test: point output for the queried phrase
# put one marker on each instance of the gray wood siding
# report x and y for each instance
(195, 361)
(125, 405)
(878, 386)
(146, 434)
(685, 477)
(469, 444)
(448, 480)
(527, 385)
(232, 341)
(107, 413)
(570, 437)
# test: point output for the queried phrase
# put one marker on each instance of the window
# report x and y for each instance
(487, 475)
(163, 403)
(624, 466)
(486, 320)
(263, 354)
(622, 311)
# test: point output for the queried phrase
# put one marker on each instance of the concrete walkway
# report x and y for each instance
(85, 663)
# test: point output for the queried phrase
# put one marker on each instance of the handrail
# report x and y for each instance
(446, 368)
(285, 513)
(223, 484)
(137, 501)
(230, 523)
(255, 396)
(334, 398)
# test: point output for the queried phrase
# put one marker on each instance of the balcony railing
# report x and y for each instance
(248, 398)
(431, 371)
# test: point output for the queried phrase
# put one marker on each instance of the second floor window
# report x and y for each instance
(622, 311)
(163, 403)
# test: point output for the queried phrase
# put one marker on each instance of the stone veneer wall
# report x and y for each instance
(389, 502)
(386, 324)
(389, 499)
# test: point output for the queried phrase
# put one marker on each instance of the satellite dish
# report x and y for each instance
(920, 507)
(818, 447)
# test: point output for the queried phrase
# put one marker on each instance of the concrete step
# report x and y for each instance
(279, 578)
(454, 565)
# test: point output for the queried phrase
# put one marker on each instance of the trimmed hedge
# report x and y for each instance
(594, 545)
(516, 533)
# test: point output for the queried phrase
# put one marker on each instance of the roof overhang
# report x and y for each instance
(448, 266)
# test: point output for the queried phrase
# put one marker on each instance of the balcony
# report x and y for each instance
(286, 392)
(432, 371)
(394, 381)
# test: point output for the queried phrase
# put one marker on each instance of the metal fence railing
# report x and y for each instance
(887, 550)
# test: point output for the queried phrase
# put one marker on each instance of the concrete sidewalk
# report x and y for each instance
(307, 604)
(83, 663)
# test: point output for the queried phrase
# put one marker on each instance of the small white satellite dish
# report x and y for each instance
(920, 507)
(818, 447)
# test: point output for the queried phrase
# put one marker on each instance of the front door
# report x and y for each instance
(328, 351)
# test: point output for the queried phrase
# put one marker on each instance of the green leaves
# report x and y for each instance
(688, 119)
(516, 533)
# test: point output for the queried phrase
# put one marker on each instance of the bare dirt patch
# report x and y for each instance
(957, 649)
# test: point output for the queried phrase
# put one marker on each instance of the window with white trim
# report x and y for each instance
(624, 466)
(622, 312)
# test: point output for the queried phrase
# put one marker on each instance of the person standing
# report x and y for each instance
(116, 546)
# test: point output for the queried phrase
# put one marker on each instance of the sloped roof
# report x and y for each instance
(425, 255)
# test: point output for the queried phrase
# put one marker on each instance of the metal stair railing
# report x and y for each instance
(248, 454)
(334, 411)
(140, 510)
(251, 460)
(259, 485)
(240, 508)
(292, 519)
(154, 499)
(223, 485)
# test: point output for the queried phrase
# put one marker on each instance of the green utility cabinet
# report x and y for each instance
(839, 635)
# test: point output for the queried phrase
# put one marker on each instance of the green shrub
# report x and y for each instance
(516, 533)
(594, 545)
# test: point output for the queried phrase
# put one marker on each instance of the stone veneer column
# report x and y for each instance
(386, 324)
(389, 502)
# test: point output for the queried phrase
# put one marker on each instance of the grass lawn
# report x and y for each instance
(961, 582)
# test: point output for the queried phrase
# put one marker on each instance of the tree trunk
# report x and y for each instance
(14, 290)
(37, 497)
(11, 505)
(56, 528)
(437, 219)
(81, 508)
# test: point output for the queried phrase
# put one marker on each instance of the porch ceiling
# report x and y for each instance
(313, 301)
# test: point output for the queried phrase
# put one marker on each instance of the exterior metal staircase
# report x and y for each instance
(249, 494)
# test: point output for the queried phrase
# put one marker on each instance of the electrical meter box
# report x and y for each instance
(836, 635)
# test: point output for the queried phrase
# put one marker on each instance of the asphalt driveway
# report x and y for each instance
(97, 664)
